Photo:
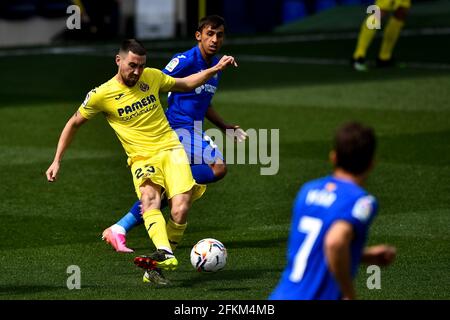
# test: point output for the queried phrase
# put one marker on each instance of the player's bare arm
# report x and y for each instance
(337, 252)
(193, 81)
(381, 255)
(215, 118)
(65, 139)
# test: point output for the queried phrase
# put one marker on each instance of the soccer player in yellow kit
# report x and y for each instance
(130, 101)
(392, 31)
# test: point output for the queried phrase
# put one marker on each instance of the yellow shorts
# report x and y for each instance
(170, 169)
(392, 5)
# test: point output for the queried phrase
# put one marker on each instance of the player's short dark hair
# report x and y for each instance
(354, 145)
(134, 46)
(214, 21)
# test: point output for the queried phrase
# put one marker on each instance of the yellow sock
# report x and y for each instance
(390, 37)
(364, 39)
(175, 232)
(156, 228)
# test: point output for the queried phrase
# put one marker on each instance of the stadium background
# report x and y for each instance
(293, 75)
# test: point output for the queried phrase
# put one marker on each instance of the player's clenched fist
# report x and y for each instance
(52, 171)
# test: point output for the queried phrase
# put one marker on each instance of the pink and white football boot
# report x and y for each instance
(116, 240)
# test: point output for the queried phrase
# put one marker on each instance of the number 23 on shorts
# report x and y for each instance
(148, 170)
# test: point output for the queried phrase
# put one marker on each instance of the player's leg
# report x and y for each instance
(182, 189)
(132, 218)
(153, 219)
(208, 173)
(392, 33)
(219, 167)
(366, 35)
(177, 223)
(203, 173)
(155, 225)
(148, 179)
(115, 235)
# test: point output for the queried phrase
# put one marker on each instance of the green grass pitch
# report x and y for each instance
(45, 228)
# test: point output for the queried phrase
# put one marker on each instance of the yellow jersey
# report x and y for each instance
(135, 113)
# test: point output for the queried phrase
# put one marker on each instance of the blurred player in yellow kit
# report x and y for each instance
(130, 101)
(399, 9)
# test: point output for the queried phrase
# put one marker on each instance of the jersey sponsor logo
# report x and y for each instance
(172, 64)
(143, 86)
(119, 96)
(320, 197)
(363, 208)
(147, 101)
(207, 88)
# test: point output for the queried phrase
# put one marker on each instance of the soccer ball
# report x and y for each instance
(208, 255)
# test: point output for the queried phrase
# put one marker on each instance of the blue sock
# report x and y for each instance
(132, 218)
(203, 173)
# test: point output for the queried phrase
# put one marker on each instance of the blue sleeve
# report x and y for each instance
(178, 67)
(361, 213)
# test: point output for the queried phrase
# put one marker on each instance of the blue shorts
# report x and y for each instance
(201, 149)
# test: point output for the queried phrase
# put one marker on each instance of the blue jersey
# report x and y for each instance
(187, 107)
(317, 206)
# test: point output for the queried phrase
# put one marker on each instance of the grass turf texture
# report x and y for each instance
(47, 227)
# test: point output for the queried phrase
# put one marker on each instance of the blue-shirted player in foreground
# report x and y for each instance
(331, 218)
(186, 113)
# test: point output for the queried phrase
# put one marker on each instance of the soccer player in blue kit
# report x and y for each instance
(186, 113)
(331, 218)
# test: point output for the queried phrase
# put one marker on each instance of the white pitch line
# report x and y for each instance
(108, 50)
(90, 51)
(327, 61)
(275, 39)
(291, 60)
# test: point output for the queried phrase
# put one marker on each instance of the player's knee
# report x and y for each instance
(401, 13)
(180, 211)
(150, 199)
(219, 170)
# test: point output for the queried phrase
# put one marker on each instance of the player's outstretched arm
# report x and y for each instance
(191, 82)
(337, 252)
(235, 130)
(66, 137)
(381, 255)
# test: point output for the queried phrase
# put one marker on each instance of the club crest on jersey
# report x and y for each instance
(330, 187)
(143, 86)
